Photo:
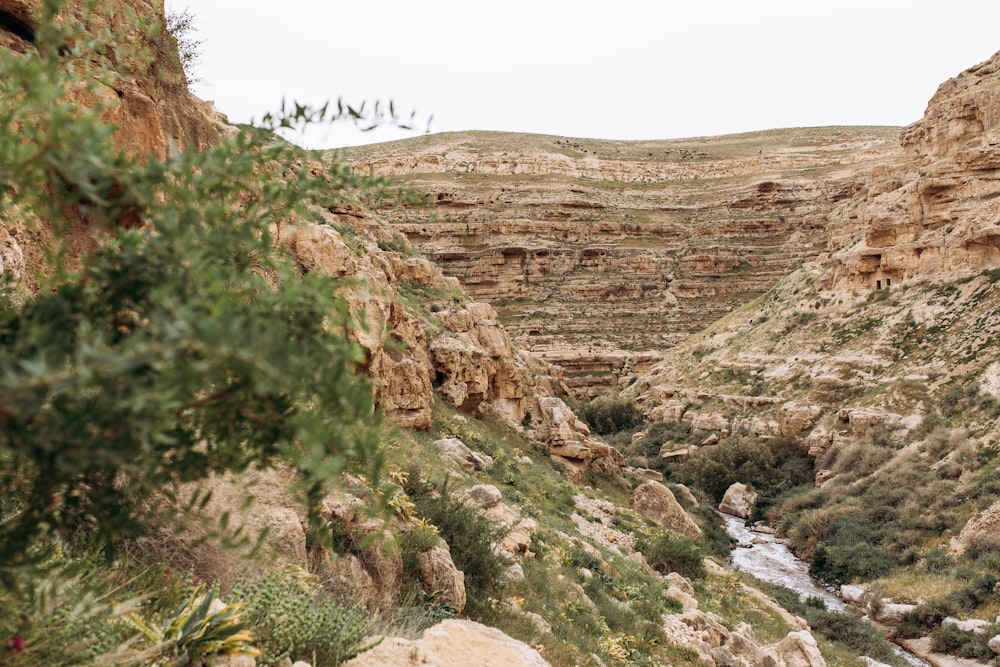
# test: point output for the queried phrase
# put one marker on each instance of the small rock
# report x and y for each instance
(994, 644)
(871, 662)
(853, 594)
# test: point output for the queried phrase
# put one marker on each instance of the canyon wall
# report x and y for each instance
(600, 255)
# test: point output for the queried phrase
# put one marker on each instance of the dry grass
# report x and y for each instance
(914, 587)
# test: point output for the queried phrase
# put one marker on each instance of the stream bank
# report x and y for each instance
(766, 558)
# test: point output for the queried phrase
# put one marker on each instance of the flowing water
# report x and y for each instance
(769, 560)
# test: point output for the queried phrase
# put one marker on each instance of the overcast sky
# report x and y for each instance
(615, 69)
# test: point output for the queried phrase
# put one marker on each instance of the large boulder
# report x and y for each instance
(797, 649)
(655, 501)
(457, 451)
(452, 643)
(738, 501)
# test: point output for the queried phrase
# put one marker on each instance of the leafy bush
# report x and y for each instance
(666, 552)
(610, 414)
(773, 466)
(471, 537)
(657, 433)
(292, 619)
(962, 643)
(185, 345)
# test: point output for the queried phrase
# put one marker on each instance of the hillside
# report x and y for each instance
(599, 255)
(244, 421)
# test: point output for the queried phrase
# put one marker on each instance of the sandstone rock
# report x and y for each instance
(684, 496)
(738, 500)
(678, 580)
(854, 594)
(982, 528)
(484, 495)
(452, 643)
(456, 450)
(652, 499)
(974, 625)
(569, 440)
(891, 613)
(797, 649)
(871, 662)
(439, 575)
(794, 417)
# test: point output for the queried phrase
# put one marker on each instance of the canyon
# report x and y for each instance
(599, 255)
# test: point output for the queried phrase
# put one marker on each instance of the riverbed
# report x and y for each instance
(761, 555)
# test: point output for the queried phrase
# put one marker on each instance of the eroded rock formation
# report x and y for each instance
(598, 255)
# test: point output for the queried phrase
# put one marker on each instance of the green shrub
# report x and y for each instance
(186, 344)
(471, 537)
(962, 643)
(773, 466)
(293, 619)
(666, 552)
(610, 414)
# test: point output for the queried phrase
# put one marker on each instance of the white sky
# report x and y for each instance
(615, 69)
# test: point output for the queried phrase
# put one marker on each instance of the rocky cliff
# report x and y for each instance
(937, 216)
(599, 255)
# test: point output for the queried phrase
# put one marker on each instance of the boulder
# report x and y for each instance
(484, 496)
(994, 644)
(797, 649)
(439, 575)
(854, 594)
(891, 613)
(452, 643)
(655, 501)
(457, 451)
(738, 501)
(974, 625)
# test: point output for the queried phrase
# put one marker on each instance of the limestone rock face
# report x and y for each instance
(452, 643)
(982, 528)
(653, 500)
(702, 633)
(738, 501)
(939, 217)
(600, 254)
(569, 442)
(147, 96)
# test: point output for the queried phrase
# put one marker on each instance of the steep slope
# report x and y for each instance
(599, 255)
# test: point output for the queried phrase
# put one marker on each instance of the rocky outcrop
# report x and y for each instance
(569, 442)
(145, 94)
(600, 254)
(937, 216)
(982, 530)
(655, 501)
(452, 643)
(439, 575)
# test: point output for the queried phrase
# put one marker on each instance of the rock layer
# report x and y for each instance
(598, 255)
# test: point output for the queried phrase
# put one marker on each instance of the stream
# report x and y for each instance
(762, 556)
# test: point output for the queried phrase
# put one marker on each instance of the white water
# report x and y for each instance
(772, 561)
(768, 560)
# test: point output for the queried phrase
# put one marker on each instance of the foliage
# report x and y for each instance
(657, 433)
(667, 552)
(293, 619)
(64, 618)
(471, 537)
(843, 628)
(197, 630)
(181, 27)
(775, 465)
(611, 413)
(186, 344)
